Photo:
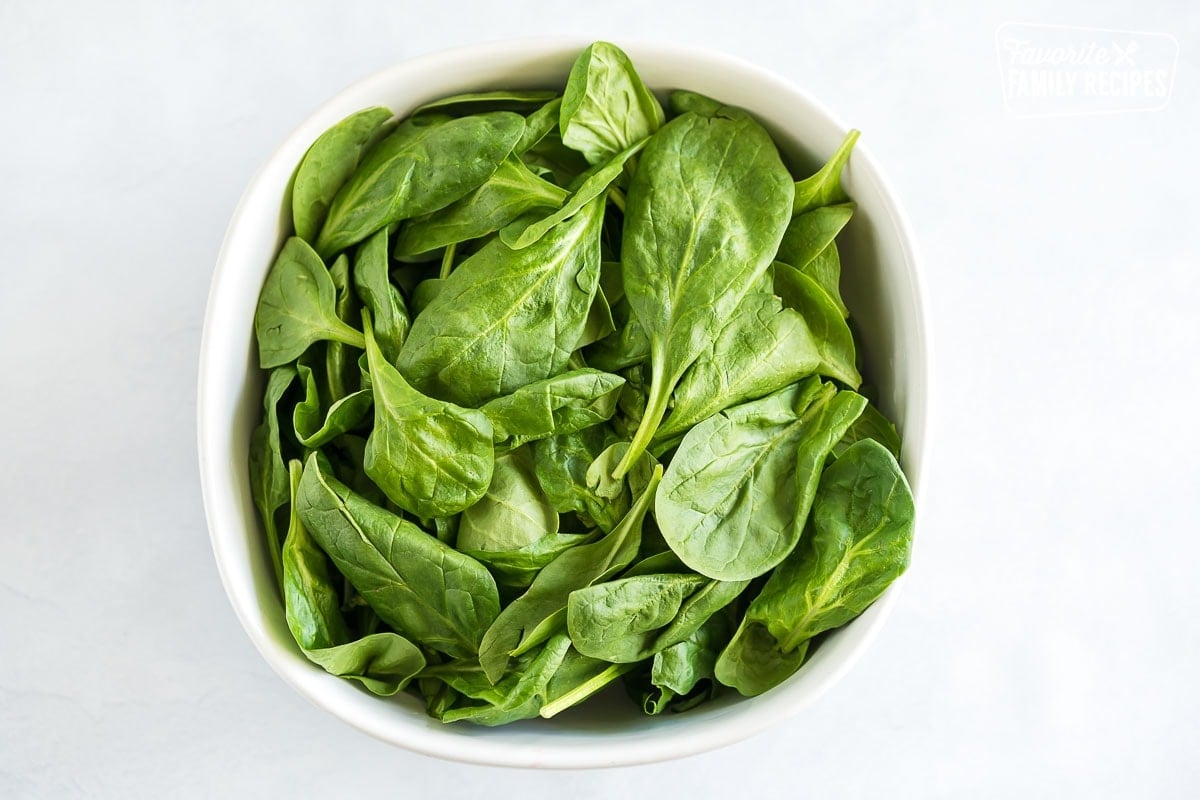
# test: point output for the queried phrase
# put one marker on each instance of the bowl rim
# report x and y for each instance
(680, 741)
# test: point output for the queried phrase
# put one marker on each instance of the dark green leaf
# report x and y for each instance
(737, 492)
(563, 404)
(505, 318)
(405, 176)
(298, 307)
(605, 106)
(327, 165)
(422, 588)
(705, 214)
(268, 473)
(431, 458)
(497, 100)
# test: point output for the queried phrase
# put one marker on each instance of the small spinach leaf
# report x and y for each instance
(297, 307)
(605, 106)
(316, 429)
(563, 404)
(830, 332)
(824, 187)
(513, 513)
(403, 176)
(388, 312)
(496, 100)
(431, 458)
(268, 473)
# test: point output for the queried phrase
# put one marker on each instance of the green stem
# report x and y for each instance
(584, 690)
(656, 407)
(618, 197)
(448, 260)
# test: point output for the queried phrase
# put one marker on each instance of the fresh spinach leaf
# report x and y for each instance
(861, 536)
(524, 694)
(510, 192)
(496, 100)
(606, 107)
(297, 307)
(871, 425)
(404, 175)
(830, 332)
(505, 318)
(631, 619)
(330, 161)
(824, 187)
(595, 182)
(383, 662)
(735, 496)
(341, 370)
(388, 312)
(268, 472)
(762, 348)
(677, 671)
(316, 428)
(576, 568)
(513, 513)
(561, 464)
(705, 213)
(563, 404)
(430, 457)
(422, 588)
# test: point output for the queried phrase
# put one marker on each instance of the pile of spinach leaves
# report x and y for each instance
(561, 392)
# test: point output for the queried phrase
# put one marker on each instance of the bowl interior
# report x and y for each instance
(880, 285)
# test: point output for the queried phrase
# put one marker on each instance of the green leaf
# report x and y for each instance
(563, 404)
(422, 588)
(524, 232)
(329, 162)
(510, 192)
(633, 618)
(268, 473)
(519, 566)
(513, 513)
(341, 371)
(576, 568)
(705, 213)
(476, 102)
(561, 464)
(680, 667)
(297, 307)
(384, 662)
(539, 125)
(505, 318)
(860, 540)
(862, 533)
(406, 176)
(832, 336)
(388, 312)
(429, 457)
(605, 106)
(523, 696)
(316, 429)
(825, 186)
(871, 425)
(736, 494)
(762, 348)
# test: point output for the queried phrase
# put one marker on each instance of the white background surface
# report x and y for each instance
(1046, 644)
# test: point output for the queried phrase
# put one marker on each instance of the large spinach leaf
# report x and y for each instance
(705, 214)
(424, 589)
(735, 496)
(861, 523)
(382, 662)
(505, 318)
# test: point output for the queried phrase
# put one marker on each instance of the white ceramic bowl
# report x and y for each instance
(881, 284)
